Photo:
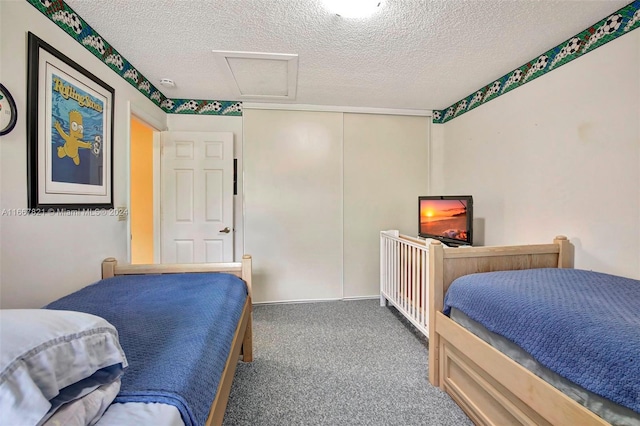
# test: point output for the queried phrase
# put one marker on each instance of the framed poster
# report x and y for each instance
(69, 133)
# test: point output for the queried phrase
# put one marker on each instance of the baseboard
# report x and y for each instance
(289, 302)
(375, 296)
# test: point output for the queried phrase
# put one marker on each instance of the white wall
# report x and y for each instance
(559, 155)
(44, 258)
(193, 123)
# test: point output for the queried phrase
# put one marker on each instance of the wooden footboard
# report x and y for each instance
(490, 387)
(242, 343)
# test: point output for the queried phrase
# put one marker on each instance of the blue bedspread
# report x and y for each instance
(176, 331)
(583, 325)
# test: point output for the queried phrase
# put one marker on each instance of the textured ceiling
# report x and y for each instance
(415, 54)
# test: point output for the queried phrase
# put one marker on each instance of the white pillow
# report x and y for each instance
(43, 351)
(86, 410)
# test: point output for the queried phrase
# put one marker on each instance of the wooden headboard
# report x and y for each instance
(447, 264)
(111, 268)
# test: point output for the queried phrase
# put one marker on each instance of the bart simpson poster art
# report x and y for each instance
(77, 120)
(69, 132)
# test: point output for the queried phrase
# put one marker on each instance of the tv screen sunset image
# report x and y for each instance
(445, 218)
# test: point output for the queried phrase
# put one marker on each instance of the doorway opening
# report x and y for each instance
(141, 207)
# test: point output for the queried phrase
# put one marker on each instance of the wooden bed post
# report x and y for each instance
(436, 303)
(246, 271)
(247, 341)
(109, 267)
(565, 257)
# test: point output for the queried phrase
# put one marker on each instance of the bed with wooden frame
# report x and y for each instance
(489, 386)
(146, 345)
(242, 344)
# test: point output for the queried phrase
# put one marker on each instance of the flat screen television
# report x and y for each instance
(448, 218)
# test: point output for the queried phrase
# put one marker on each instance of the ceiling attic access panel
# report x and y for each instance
(259, 76)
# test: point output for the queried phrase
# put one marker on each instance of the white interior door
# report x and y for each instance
(197, 197)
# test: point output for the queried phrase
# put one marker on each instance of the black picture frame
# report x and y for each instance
(69, 133)
(7, 107)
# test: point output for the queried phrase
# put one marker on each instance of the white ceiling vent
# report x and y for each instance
(260, 76)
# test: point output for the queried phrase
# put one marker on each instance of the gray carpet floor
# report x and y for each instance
(337, 363)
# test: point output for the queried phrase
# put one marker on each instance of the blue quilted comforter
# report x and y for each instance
(583, 325)
(176, 331)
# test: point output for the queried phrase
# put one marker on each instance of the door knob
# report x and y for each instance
(225, 230)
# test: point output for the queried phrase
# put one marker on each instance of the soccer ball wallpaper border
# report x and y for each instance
(617, 24)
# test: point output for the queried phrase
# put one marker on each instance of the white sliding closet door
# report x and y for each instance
(293, 203)
(386, 168)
